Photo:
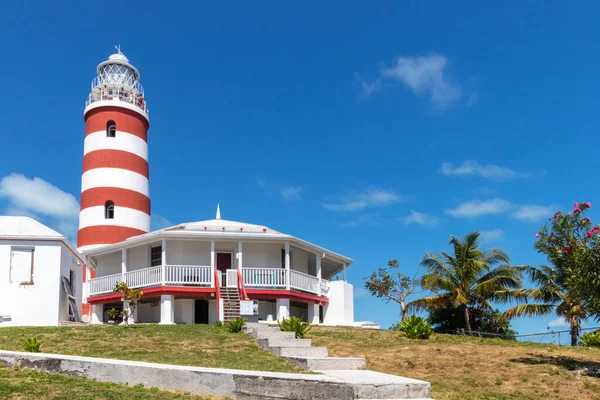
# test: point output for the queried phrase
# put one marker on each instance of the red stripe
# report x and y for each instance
(126, 120)
(285, 294)
(121, 197)
(105, 234)
(115, 159)
(158, 291)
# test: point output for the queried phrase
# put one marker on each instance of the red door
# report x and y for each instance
(223, 261)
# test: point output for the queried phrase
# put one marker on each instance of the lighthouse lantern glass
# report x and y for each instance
(118, 74)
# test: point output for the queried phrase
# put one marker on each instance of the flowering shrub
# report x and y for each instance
(572, 244)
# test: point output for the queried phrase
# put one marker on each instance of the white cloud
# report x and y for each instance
(477, 208)
(291, 193)
(471, 167)
(367, 88)
(38, 196)
(419, 218)
(41, 200)
(159, 222)
(494, 235)
(364, 219)
(557, 323)
(374, 197)
(426, 76)
(533, 213)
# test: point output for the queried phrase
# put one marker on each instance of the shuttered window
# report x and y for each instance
(21, 265)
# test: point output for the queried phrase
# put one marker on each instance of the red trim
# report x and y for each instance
(157, 291)
(241, 286)
(286, 294)
(126, 120)
(109, 158)
(121, 197)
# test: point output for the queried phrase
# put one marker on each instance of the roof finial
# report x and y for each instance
(218, 211)
(118, 47)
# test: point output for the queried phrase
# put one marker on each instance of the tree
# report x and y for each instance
(572, 245)
(451, 318)
(131, 297)
(390, 284)
(468, 277)
(551, 296)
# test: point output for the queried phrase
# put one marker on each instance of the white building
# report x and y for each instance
(37, 269)
(198, 272)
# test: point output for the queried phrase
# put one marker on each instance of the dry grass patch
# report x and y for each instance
(471, 368)
(197, 345)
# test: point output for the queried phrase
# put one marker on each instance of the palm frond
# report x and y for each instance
(528, 310)
(423, 303)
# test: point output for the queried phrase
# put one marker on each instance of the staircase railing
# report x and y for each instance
(218, 287)
(242, 286)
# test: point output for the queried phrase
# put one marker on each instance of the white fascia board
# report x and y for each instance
(57, 239)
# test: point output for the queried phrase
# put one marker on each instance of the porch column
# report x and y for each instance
(97, 314)
(123, 264)
(212, 263)
(163, 261)
(221, 311)
(240, 255)
(283, 309)
(318, 264)
(287, 268)
(345, 277)
(313, 314)
(167, 309)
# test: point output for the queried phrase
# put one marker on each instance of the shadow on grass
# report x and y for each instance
(582, 367)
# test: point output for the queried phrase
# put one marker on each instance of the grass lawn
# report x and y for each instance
(26, 384)
(197, 345)
(471, 368)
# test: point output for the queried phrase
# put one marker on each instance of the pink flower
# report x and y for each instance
(590, 233)
(575, 205)
(566, 250)
(595, 231)
(576, 210)
(588, 204)
(537, 235)
(587, 219)
(558, 214)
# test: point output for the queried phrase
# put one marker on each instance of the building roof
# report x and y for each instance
(223, 225)
(25, 228)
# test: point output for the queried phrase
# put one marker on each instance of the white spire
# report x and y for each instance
(218, 211)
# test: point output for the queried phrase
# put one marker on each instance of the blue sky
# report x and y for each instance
(375, 131)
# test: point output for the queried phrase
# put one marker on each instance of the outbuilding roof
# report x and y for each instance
(25, 228)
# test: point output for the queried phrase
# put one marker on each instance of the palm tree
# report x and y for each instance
(468, 277)
(551, 296)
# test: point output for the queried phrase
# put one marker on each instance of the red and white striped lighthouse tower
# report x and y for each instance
(115, 199)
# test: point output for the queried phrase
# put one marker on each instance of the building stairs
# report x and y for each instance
(367, 384)
(231, 303)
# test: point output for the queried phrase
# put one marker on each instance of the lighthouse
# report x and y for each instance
(115, 197)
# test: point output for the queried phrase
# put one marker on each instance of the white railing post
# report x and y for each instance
(212, 263)
(319, 274)
(123, 264)
(287, 266)
(164, 261)
(240, 256)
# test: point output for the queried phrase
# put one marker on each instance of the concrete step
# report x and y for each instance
(319, 352)
(268, 334)
(266, 343)
(329, 363)
(376, 385)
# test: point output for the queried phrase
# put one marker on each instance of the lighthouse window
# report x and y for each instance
(109, 210)
(111, 129)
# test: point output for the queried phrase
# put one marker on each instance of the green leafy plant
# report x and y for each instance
(219, 324)
(415, 328)
(129, 296)
(591, 339)
(32, 345)
(296, 325)
(113, 313)
(236, 325)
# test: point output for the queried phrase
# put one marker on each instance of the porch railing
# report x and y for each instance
(189, 275)
(304, 282)
(264, 277)
(104, 284)
(144, 277)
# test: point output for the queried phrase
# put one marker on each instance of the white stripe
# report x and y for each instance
(124, 216)
(122, 141)
(114, 177)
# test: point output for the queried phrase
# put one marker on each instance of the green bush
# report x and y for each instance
(415, 328)
(236, 325)
(219, 324)
(32, 345)
(295, 324)
(113, 313)
(591, 339)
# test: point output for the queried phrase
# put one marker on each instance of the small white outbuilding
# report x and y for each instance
(40, 275)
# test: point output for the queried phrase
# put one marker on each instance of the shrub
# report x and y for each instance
(236, 325)
(32, 345)
(296, 325)
(591, 339)
(415, 328)
(113, 313)
(219, 324)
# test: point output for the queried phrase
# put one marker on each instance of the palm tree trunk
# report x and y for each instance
(574, 332)
(403, 310)
(467, 319)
